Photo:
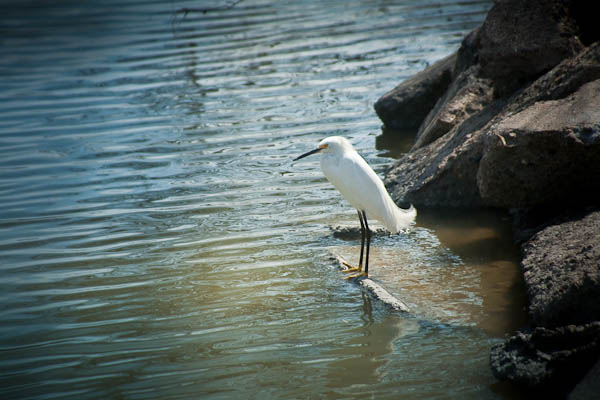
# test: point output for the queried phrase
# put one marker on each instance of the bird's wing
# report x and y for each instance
(355, 179)
(361, 187)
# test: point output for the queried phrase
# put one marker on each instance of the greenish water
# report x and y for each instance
(157, 242)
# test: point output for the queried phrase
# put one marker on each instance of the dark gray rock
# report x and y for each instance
(547, 153)
(443, 173)
(467, 95)
(446, 172)
(468, 53)
(549, 360)
(558, 83)
(443, 167)
(520, 40)
(561, 268)
(405, 106)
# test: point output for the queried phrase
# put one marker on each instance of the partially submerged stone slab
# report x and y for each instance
(375, 290)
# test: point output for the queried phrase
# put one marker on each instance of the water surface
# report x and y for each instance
(157, 242)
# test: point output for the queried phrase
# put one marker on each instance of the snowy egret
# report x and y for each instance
(362, 188)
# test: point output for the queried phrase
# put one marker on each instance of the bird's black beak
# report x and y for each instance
(307, 154)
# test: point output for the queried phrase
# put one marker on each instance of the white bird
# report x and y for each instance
(363, 189)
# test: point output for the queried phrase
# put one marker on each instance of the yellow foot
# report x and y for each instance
(350, 268)
(362, 273)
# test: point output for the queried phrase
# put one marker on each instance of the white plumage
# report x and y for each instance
(362, 188)
(360, 185)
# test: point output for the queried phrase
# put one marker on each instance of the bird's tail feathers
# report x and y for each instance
(400, 218)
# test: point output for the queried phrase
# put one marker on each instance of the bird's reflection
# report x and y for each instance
(367, 309)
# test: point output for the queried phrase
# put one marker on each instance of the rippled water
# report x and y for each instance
(157, 242)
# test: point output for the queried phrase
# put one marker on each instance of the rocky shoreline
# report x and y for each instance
(512, 121)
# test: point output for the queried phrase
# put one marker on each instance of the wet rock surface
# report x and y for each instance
(561, 267)
(550, 359)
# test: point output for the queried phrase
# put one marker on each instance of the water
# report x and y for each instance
(157, 242)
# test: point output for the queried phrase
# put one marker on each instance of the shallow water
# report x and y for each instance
(157, 242)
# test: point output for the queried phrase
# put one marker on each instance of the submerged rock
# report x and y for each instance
(348, 232)
(374, 289)
(549, 360)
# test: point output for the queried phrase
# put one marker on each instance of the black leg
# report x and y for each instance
(362, 239)
(368, 234)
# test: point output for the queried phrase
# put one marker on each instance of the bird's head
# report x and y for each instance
(331, 144)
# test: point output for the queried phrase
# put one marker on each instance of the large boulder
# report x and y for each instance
(517, 43)
(549, 152)
(472, 121)
(561, 268)
(520, 40)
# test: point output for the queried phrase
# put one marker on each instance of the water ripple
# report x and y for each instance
(156, 240)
